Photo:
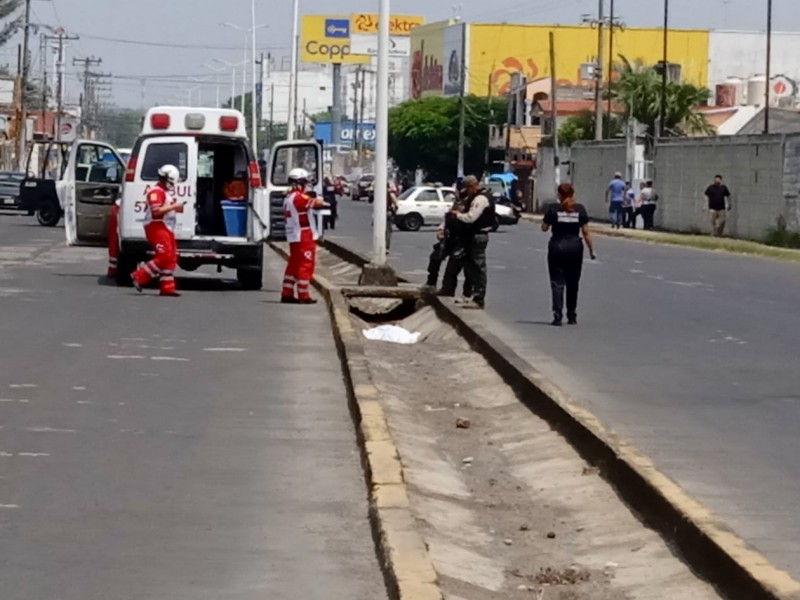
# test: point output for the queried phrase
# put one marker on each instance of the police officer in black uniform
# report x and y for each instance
(568, 220)
(479, 216)
(451, 238)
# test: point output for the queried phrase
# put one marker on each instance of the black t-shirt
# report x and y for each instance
(717, 195)
(566, 225)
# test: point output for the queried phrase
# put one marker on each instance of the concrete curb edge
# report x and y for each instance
(707, 544)
(407, 567)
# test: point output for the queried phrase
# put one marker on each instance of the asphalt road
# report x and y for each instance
(176, 449)
(691, 355)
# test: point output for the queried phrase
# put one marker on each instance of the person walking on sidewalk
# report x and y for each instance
(719, 203)
(159, 225)
(480, 217)
(628, 207)
(302, 235)
(649, 201)
(615, 195)
(568, 220)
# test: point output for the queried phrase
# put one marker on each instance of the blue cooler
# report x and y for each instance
(235, 212)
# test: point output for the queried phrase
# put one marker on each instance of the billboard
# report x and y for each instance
(525, 49)
(368, 45)
(399, 25)
(454, 44)
(427, 58)
(323, 130)
(326, 39)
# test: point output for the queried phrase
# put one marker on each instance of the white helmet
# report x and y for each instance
(170, 174)
(298, 175)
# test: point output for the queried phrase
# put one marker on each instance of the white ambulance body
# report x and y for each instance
(210, 148)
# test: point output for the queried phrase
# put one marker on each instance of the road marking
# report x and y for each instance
(169, 358)
(127, 339)
(224, 349)
(33, 454)
(78, 388)
(49, 430)
(22, 385)
(14, 400)
(72, 345)
(5, 455)
(9, 505)
(83, 402)
(125, 357)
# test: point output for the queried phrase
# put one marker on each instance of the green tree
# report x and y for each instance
(120, 126)
(424, 134)
(638, 89)
(581, 127)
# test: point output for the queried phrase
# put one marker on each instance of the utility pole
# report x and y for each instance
(271, 114)
(336, 107)
(462, 117)
(769, 67)
(292, 118)
(43, 66)
(360, 139)
(22, 126)
(356, 124)
(88, 100)
(554, 105)
(664, 62)
(614, 23)
(598, 96)
(61, 38)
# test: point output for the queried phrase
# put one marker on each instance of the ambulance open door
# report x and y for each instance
(285, 156)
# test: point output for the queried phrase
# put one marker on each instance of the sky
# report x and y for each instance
(106, 29)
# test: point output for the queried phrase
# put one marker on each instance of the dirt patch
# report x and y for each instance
(506, 506)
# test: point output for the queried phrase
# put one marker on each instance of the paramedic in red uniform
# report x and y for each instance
(302, 235)
(113, 240)
(159, 223)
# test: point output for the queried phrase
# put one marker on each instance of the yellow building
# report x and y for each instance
(494, 52)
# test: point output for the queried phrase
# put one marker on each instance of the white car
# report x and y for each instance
(428, 205)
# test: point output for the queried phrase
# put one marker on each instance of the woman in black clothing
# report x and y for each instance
(568, 220)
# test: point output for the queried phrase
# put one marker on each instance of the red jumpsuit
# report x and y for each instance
(113, 240)
(158, 231)
(302, 236)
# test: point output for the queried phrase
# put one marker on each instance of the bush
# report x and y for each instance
(781, 237)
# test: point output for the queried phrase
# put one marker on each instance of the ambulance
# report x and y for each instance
(210, 149)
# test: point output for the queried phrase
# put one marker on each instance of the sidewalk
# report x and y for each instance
(688, 240)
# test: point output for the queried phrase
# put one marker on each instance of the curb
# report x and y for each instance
(403, 555)
(707, 545)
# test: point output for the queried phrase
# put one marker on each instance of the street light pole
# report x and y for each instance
(664, 63)
(22, 126)
(381, 139)
(291, 124)
(769, 66)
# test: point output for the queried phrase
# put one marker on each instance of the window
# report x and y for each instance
(295, 157)
(428, 196)
(205, 163)
(158, 155)
(449, 196)
(407, 194)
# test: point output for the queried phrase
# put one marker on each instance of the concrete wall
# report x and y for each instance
(593, 167)
(762, 172)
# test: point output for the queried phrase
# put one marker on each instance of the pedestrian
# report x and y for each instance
(329, 195)
(302, 235)
(719, 202)
(615, 195)
(568, 220)
(391, 210)
(158, 229)
(450, 242)
(113, 240)
(479, 215)
(649, 201)
(628, 207)
(637, 203)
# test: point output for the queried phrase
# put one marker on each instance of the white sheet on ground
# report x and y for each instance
(393, 334)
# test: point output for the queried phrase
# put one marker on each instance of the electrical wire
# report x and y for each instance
(100, 38)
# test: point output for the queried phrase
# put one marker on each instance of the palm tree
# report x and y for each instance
(638, 89)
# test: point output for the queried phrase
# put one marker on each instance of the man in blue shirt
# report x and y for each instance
(615, 194)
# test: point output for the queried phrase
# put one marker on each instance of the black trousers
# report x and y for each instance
(565, 262)
(648, 214)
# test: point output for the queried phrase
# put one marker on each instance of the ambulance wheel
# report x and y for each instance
(125, 267)
(49, 214)
(250, 279)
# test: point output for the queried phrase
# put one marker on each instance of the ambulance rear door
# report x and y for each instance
(285, 156)
(154, 153)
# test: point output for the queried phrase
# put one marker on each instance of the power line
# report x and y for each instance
(172, 45)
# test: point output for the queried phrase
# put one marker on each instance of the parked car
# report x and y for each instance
(10, 182)
(363, 188)
(428, 205)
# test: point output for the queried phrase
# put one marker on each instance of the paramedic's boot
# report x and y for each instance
(307, 301)
(288, 300)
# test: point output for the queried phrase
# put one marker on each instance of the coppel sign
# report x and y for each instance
(326, 39)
